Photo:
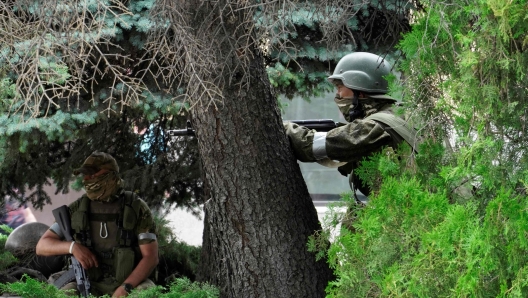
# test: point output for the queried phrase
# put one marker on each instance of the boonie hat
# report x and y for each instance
(97, 161)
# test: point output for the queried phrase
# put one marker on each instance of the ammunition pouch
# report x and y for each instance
(95, 273)
(124, 263)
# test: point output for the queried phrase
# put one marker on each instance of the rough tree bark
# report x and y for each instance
(259, 213)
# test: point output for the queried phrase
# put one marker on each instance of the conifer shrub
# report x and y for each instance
(414, 240)
(177, 258)
(455, 225)
(28, 287)
(6, 258)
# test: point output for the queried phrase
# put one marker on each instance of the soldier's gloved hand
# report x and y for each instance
(301, 140)
(289, 127)
(85, 256)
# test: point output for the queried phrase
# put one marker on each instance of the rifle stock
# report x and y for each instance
(62, 217)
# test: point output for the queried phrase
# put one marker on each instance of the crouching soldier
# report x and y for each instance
(113, 234)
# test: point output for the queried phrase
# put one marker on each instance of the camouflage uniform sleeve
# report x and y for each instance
(348, 143)
(301, 139)
(146, 224)
(355, 140)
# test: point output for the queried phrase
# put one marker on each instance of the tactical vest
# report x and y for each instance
(397, 128)
(108, 229)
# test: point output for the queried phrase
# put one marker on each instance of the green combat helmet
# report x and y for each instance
(362, 71)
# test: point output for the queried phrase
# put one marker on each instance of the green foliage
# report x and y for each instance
(300, 60)
(55, 115)
(374, 168)
(5, 229)
(55, 72)
(7, 92)
(6, 258)
(156, 105)
(465, 69)
(184, 288)
(306, 85)
(466, 61)
(177, 258)
(179, 288)
(31, 288)
(58, 127)
(453, 225)
(412, 240)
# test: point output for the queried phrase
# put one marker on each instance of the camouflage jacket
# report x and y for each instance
(349, 142)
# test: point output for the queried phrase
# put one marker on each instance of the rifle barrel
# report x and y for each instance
(322, 125)
(188, 131)
(181, 132)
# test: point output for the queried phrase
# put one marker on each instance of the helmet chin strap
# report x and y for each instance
(357, 110)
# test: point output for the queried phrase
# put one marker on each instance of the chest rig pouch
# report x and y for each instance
(108, 230)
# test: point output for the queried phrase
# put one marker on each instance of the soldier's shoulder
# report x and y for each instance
(142, 204)
(139, 203)
(145, 216)
(75, 204)
(384, 97)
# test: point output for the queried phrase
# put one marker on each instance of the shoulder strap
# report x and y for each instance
(399, 125)
(130, 216)
(80, 221)
(131, 210)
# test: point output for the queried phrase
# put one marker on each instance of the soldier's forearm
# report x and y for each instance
(142, 271)
(52, 247)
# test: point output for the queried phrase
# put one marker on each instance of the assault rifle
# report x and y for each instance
(62, 217)
(189, 131)
(322, 125)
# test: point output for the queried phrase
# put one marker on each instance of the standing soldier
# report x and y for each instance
(361, 97)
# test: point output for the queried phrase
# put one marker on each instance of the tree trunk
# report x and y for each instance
(259, 213)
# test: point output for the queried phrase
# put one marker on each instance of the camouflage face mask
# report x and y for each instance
(102, 188)
(344, 105)
(368, 105)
